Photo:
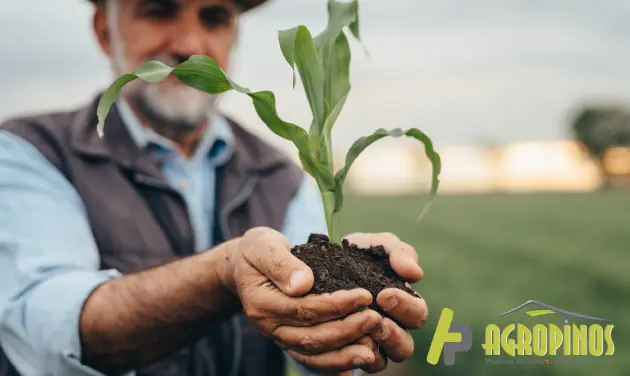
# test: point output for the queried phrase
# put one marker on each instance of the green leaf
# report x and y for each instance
(361, 144)
(340, 14)
(299, 51)
(287, 46)
(311, 72)
(152, 71)
(323, 176)
(354, 28)
(265, 105)
(322, 144)
(334, 115)
(108, 98)
(334, 50)
(335, 54)
(337, 87)
(203, 73)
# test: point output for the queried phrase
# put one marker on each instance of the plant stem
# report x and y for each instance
(329, 207)
(329, 196)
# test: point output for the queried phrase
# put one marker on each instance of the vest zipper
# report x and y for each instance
(159, 210)
(239, 199)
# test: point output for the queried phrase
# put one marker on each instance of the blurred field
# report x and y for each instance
(483, 255)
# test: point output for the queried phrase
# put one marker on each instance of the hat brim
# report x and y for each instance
(245, 4)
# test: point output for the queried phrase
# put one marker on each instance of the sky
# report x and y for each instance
(465, 72)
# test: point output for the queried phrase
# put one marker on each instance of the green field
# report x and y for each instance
(483, 255)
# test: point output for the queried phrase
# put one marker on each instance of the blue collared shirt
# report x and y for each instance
(49, 260)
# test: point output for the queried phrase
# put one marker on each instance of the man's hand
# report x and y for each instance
(404, 311)
(319, 331)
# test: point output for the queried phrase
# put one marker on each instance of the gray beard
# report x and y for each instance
(169, 120)
(174, 123)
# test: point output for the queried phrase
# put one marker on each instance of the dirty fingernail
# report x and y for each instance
(385, 332)
(390, 303)
(371, 346)
(357, 362)
(368, 326)
(296, 278)
(362, 301)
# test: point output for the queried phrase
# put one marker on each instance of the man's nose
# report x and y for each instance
(189, 39)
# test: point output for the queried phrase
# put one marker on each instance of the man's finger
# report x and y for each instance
(380, 361)
(402, 256)
(409, 311)
(406, 267)
(331, 335)
(394, 341)
(270, 253)
(347, 358)
(313, 309)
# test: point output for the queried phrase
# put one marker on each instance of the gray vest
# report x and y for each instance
(139, 221)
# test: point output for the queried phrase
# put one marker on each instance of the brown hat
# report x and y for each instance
(245, 4)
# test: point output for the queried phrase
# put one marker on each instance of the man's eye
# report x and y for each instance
(216, 16)
(161, 12)
(162, 9)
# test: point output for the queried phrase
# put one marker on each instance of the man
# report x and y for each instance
(164, 248)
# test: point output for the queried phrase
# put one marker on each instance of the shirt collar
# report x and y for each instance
(217, 143)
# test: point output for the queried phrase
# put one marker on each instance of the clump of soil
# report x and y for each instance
(347, 267)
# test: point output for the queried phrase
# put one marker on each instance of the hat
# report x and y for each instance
(245, 4)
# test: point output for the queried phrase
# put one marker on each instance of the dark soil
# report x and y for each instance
(347, 267)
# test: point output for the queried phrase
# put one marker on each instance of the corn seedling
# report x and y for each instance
(323, 64)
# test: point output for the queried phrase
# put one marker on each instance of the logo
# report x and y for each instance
(449, 339)
(532, 333)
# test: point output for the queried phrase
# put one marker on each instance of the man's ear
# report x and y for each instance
(101, 28)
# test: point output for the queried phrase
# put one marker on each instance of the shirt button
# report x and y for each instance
(184, 184)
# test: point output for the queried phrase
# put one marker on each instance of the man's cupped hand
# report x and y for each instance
(334, 333)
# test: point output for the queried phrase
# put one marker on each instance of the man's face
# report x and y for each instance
(170, 31)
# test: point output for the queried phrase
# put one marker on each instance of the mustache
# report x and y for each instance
(171, 59)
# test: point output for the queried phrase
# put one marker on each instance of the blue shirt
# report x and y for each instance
(49, 260)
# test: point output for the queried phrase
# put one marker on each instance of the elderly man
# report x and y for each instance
(152, 251)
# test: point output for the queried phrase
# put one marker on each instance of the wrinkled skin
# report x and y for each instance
(329, 333)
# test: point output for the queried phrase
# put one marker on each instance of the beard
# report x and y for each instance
(170, 105)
